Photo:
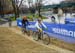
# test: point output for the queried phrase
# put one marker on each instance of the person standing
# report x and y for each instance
(60, 15)
(53, 19)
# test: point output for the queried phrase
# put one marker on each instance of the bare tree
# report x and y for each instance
(1, 8)
(16, 7)
(5, 7)
(30, 3)
(38, 6)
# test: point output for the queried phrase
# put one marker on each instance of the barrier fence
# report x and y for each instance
(64, 32)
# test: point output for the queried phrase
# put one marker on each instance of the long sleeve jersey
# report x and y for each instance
(40, 26)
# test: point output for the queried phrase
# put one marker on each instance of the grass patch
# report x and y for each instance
(32, 16)
(29, 16)
(12, 18)
(0, 20)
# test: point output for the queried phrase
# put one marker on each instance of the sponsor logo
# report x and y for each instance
(20, 23)
(31, 26)
(64, 32)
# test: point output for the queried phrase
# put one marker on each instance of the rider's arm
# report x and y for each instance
(44, 25)
(27, 21)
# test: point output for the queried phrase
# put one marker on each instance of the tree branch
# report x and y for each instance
(20, 3)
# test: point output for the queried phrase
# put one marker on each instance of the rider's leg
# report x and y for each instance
(39, 34)
(24, 29)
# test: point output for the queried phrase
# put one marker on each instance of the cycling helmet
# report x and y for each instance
(39, 19)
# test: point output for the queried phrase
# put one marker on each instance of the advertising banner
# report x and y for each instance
(64, 32)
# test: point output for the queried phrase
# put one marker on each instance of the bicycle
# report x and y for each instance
(43, 36)
(26, 31)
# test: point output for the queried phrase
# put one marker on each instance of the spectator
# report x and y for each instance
(53, 19)
(61, 17)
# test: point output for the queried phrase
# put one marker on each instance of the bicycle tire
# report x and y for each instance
(35, 35)
(46, 39)
(23, 30)
(28, 32)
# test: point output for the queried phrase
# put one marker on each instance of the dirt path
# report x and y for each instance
(11, 42)
(53, 47)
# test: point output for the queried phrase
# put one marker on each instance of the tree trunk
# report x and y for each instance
(16, 8)
(39, 11)
(1, 10)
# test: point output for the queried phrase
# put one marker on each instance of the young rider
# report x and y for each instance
(40, 26)
(25, 22)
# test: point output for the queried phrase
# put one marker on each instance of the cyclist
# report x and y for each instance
(25, 22)
(40, 26)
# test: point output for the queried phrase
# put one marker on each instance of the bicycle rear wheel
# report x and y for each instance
(35, 35)
(23, 30)
(28, 32)
(46, 39)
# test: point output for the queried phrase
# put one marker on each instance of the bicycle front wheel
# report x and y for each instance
(46, 39)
